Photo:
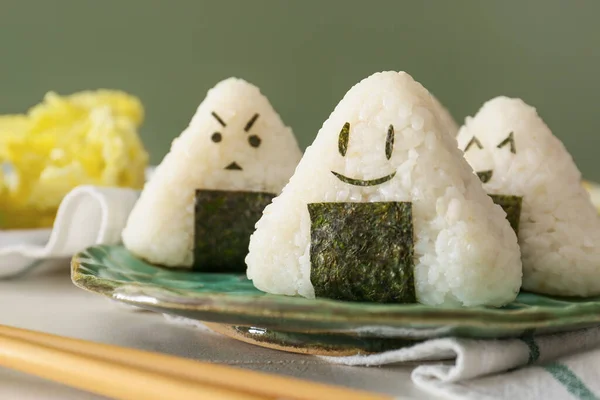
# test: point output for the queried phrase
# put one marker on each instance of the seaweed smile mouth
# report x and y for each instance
(360, 182)
(234, 166)
(485, 176)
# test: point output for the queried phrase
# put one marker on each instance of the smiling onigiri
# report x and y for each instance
(522, 163)
(200, 206)
(384, 208)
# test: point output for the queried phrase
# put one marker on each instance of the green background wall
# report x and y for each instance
(305, 55)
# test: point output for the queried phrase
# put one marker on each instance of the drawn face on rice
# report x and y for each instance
(254, 140)
(203, 200)
(486, 175)
(480, 156)
(240, 138)
(383, 200)
(516, 154)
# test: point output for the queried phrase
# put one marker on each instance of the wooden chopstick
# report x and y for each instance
(104, 377)
(125, 373)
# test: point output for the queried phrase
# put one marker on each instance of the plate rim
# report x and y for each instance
(145, 295)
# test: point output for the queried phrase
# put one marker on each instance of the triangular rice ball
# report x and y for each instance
(383, 207)
(238, 152)
(516, 154)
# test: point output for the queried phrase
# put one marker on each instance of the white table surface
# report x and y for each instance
(46, 300)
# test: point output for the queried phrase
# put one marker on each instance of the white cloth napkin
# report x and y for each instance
(550, 367)
(88, 215)
(559, 366)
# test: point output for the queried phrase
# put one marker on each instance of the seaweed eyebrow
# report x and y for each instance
(214, 114)
(251, 122)
(472, 142)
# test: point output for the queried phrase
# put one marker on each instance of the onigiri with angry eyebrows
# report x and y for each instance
(384, 208)
(202, 202)
(517, 157)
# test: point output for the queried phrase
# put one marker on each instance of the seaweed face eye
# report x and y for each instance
(216, 137)
(473, 141)
(344, 138)
(254, 141)
(389, 142)
(510, 140)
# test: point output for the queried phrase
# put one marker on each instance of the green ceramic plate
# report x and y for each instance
(315, 326)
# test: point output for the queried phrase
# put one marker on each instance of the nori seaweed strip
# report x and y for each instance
(511, 206)
(362, 251)
(224, 221)
(360, 182)
(510, 139)
(344, 138)
(389, 142)
(485, 176)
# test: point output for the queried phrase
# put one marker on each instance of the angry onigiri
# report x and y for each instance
(516, 156)
(202, 202)
(384, 208)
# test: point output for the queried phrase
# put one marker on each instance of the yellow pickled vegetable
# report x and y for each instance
(86, 138)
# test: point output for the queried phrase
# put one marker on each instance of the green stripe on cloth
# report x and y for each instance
(534, 350)
(570, 381)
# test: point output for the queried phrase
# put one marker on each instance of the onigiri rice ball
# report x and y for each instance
(383, 207)
(236, 142)
(515, 152)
